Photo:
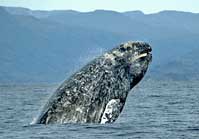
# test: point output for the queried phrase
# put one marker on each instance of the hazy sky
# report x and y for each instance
(147, 6)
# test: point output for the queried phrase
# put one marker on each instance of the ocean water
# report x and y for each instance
(154, 109)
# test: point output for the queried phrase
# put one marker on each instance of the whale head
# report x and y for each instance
(133, 58)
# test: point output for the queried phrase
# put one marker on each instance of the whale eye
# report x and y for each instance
(128, 48)
(122, 49)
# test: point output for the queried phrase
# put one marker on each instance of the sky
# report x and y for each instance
(147, 6)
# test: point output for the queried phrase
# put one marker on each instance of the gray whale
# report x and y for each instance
(97, 93)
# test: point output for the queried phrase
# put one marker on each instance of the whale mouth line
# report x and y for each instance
(144, 53)
(139, 56)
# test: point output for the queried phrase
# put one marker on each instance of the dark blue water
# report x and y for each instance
(154, 109)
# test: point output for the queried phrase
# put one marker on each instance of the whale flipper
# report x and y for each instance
(112, 111)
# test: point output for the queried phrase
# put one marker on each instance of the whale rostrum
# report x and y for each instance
(97, 93)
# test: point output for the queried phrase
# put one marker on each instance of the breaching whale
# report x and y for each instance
(97, 93)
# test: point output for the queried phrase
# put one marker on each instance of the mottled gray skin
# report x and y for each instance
(84, 96)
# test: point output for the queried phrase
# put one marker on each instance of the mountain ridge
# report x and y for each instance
(48, 47)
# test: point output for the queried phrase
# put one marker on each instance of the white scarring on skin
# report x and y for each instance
(118, 53)
(109, 56)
